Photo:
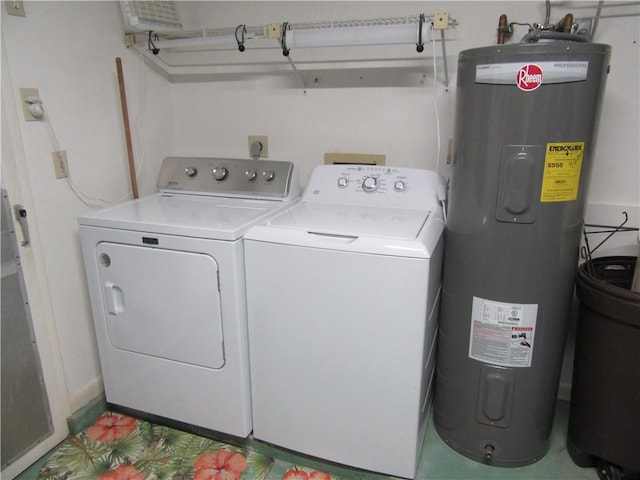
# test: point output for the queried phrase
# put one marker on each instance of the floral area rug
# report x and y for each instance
(296, 472)
(119, 447)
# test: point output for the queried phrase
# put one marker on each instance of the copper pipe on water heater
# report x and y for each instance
(502, 28)
(127, 128)
(567, 23)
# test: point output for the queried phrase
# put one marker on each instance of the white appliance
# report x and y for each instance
(166, 281)
(342, 295)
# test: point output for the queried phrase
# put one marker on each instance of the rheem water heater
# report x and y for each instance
(526, 118)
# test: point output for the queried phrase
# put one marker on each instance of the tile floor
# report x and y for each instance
(438, 461)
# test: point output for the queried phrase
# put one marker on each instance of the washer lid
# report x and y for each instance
(218, 218)
(353, 228)
(353, 220)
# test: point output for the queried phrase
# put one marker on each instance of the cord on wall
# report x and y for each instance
(88, 200)
(441, 191)
(435, 102)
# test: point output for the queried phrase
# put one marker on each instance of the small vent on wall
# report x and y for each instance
(354, 158)
(142, 16)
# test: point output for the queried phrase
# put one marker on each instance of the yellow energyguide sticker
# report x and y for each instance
(562, 166)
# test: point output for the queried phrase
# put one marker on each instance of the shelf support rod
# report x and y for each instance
(297, 73)
(444, 59)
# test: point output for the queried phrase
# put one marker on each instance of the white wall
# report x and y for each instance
(67, 50)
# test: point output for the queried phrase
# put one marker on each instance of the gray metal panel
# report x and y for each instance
(530, 260)
(519, 184)
(26, 419)
(272, 179)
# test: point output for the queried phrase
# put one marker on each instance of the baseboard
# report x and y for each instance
(91, 390)
(87, 415)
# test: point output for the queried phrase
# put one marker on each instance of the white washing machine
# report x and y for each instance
(166, 281)
(342, 295)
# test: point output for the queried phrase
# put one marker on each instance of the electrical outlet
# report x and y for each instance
(15, 8)
(274, 30)
(264, 140)
(441, 21)
(24, 94)
(60, 165)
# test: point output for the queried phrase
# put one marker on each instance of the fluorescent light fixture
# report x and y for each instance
(357, 36)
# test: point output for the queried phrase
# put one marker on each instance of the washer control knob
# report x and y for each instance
(370, 184)
(399, 186)
(268, 175)
(343, 182)
(219, 173)
(191, 171)
(250, 175)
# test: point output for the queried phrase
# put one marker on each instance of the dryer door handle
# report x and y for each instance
(114, 297)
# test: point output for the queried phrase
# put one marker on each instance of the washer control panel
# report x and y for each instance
(374, 185)
(372, 179)
(228, 177)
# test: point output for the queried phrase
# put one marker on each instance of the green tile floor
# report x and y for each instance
(438, 461)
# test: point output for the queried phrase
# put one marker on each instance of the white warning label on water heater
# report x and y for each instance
(502, 333)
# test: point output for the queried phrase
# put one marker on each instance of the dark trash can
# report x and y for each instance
(604, 419)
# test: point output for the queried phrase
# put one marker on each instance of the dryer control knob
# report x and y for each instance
(370, 184)
(250, 175)
(399, 186)
(268, 175)
(191, 171)
(343, 182)
(219, 173)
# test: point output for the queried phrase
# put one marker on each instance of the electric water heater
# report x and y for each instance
(526, 118)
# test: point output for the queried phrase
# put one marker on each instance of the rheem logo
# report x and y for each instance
(529, 77)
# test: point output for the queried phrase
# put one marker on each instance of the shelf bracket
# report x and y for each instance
(297, 72)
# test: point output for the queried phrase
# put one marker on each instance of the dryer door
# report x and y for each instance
(164, 303)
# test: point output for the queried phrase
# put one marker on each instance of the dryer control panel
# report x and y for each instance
(375, 185)
(228, 177)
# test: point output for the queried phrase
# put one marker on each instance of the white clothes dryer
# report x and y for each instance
(166, 282)
(342, 292)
